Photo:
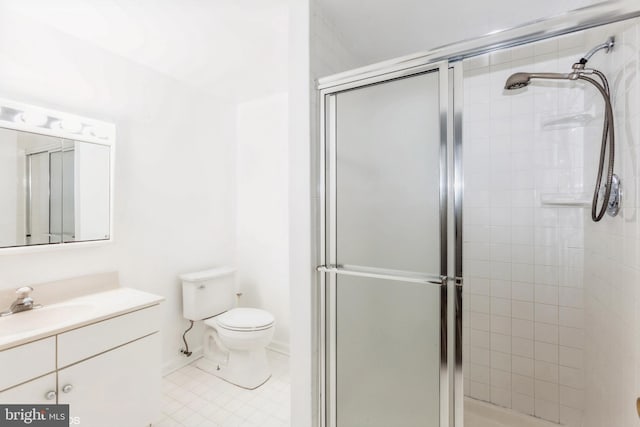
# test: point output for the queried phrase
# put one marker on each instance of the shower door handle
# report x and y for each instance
(377, 273)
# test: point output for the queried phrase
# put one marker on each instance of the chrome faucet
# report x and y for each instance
(24, 302)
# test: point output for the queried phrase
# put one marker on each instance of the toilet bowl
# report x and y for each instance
(234, 346)
(235, 338)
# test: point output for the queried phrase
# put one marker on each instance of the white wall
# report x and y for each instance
(302, 345)
(314, 50)
(174, 166)
(262, 209)
(330, 51)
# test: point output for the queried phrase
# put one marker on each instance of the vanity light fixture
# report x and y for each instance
(32, 118)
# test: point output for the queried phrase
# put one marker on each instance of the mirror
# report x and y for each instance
(53, 190)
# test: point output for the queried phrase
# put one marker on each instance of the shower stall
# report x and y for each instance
(467, 271)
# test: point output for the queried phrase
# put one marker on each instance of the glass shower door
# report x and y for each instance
(385, 252)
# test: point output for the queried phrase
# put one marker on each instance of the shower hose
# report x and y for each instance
(608, 139)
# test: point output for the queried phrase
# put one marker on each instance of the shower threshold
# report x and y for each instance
(483, 414)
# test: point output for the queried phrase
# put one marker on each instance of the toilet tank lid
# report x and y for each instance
(201, 276)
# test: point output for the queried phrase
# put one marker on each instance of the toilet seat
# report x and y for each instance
(243, 319)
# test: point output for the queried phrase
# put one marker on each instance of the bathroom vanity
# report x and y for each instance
(99, 353)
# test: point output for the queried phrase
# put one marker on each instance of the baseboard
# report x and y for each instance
(279, 347)
(181, 361)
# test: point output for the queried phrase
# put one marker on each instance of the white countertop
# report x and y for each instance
(52, 319)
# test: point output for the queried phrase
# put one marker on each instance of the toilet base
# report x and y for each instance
(246, 369)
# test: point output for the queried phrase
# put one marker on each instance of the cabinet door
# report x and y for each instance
(120, 387)
(32, 392)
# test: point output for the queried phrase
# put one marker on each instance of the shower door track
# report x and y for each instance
(581, 19)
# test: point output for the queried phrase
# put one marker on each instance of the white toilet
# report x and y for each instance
(235, 338)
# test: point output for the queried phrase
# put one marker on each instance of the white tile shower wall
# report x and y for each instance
(330, 54)
(612, 246)
(523, 345)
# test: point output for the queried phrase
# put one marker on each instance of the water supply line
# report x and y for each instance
(185, 350)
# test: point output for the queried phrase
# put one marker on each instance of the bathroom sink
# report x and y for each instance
(58, 317)
(42, 317)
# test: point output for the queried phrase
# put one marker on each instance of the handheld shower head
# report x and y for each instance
(517, 81)
(520, 80)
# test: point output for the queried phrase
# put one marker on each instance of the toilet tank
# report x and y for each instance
(207, 293)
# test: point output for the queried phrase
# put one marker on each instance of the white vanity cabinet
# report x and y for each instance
(108, 372)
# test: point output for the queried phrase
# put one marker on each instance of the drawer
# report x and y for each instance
(25, 362)
(85, 342)
(33, 392)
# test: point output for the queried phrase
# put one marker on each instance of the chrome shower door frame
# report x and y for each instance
(449, 279)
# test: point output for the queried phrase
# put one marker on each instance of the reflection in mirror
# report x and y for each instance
(86, 189)
(25, 166)
(52, 190)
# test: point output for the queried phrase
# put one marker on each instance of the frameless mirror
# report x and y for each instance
(53, 189)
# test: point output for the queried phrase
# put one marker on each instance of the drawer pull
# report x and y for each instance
(67, 388)
(50, 395)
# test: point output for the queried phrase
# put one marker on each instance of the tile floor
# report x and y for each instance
(194, 398)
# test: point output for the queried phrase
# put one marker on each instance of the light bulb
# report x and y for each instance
(67, 125)
(32, 118)
(71, 125)
(100, 132)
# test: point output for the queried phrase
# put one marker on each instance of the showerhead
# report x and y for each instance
(520, 80)
(517, 81)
